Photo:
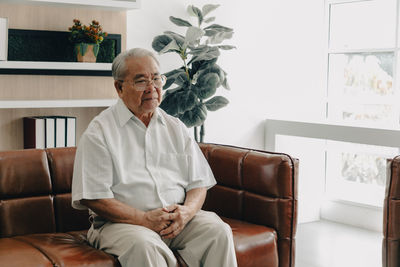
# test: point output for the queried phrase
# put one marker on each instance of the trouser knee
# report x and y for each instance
(147, 252)
(144, 245)
(221, 231)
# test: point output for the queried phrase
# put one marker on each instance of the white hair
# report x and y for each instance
(118, 65)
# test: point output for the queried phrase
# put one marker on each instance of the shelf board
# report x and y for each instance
(54, 65)
(100, 4)
(55, 68)
(63, 103)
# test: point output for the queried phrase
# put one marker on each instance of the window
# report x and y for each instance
(357, 172)
(363, 78)
(363, 55)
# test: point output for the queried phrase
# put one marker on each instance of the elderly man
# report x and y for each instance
(144, 179)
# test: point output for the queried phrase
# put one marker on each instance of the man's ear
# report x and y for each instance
(118, 86)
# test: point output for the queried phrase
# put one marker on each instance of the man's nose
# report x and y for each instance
(150, 87)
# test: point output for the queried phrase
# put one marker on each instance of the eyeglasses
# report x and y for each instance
(141, 84)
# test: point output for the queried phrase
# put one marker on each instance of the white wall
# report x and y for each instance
(277, 69)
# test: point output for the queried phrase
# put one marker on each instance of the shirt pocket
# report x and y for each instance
(173, 170)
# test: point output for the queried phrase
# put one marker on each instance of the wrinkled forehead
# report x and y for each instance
(141, 67)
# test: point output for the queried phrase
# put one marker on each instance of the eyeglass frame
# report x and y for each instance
(148, 81)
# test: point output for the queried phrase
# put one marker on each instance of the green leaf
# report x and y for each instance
(205, 92)
(180, 22)
(208, 8)
(177, 37)
(216, 103)
(169, 104)
(83, 48)
(207, 85)
(211, 32)
(212, 52)
(210, 19)
(160, 41)
(196, 11)
(171, 91)
(172, 75)
(200, 49)
(178, 101)
(201, 65)
(171, 47)
(215, 68)
(186, 100)
(219, 37)
(195, 116)
(96, 49)
(218, 28)
(190, 11)
(182, 79)
(168, 83)
(226, 47)
(225, 84)
(193, 34)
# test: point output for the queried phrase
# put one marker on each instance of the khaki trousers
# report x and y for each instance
(205, 241)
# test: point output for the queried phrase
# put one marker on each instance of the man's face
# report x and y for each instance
(141, 103)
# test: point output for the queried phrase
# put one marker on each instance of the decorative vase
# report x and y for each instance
(86, 52)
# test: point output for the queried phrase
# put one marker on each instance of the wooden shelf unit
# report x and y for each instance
(62, 103)
(55, 68)
(52, 92)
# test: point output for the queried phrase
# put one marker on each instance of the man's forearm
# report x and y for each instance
(195, 199)
(115, 211)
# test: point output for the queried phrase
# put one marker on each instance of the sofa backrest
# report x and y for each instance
(35, 192)
(258, 187)
(391, 216)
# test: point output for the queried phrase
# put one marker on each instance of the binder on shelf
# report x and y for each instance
(50, 132)
(34, 132)
(3, 38)
(70, 131)
(60, 131)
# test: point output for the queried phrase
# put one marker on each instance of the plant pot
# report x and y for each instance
(86, 52)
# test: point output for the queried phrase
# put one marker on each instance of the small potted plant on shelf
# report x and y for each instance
(86, 39)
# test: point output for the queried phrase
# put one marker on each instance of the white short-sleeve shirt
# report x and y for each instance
(144, 167)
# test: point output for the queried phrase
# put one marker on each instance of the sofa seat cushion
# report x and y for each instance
(65, 249)
(80, 236)
(255, 245)
(18, 253)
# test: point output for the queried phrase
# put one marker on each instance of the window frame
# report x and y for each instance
(330, 100)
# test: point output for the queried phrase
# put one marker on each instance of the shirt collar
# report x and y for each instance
(124, 114)
(159, 116)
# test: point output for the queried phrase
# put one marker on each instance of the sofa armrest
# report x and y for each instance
(258, 187)
(391, 216)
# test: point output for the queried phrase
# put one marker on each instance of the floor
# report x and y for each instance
(330, 244)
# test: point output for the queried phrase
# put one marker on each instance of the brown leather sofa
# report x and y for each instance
(256, 194)
(391, 216)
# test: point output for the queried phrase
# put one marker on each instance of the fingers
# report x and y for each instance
(167, 221)
(162, 226)
(172, 231)
(169, 216)
(170, 208)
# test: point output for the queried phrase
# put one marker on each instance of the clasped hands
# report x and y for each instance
(168, 221)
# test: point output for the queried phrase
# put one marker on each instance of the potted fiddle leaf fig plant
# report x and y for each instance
(190, 89)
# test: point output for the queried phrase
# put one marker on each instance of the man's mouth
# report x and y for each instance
(147, 99)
